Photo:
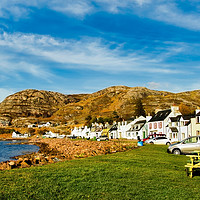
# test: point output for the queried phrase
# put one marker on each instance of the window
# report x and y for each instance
(191, 140)
(150, 126)
(197, 119)
(198, 132)
(160, 125)
(155, 125)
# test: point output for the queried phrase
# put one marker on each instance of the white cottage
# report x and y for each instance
(159, 123)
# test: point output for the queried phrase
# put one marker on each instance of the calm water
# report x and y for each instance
(9, 151)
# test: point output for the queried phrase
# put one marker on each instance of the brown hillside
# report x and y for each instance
(32, 104)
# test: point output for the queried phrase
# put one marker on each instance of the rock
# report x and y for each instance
(12, 164)
(24, 165)
(4, 166)
(35, 103)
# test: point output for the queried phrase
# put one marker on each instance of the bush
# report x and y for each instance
(6, 130)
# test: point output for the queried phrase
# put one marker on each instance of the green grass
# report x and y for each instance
(144, 173)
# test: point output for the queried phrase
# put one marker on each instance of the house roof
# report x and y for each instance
(160, 115)
(113, 128)
(136, 129)
(187, 117)
(175, 119)
(174, 129)
(141, 122)
(187, 123)
(198, 114)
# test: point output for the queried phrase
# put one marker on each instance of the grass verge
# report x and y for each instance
(144, 173)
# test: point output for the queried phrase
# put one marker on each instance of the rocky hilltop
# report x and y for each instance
(33, 104)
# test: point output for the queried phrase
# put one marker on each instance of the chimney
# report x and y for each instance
(175, 109)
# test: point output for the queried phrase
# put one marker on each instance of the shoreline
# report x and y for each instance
(57, 150)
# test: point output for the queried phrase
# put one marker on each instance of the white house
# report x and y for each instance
(17, 134)
(179, 127)
(50, 134)
(85, 132)
(137, 130)
(133, 130)
(47, 124)
(158, 124)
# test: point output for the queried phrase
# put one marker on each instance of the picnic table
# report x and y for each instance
(193, 164)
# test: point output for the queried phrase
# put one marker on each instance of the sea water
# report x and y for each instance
(9, 149)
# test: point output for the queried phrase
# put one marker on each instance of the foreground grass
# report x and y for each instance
(144, 173)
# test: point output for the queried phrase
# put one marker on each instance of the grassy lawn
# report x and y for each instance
(144, 173)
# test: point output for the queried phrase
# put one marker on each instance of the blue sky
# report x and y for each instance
(82, 46)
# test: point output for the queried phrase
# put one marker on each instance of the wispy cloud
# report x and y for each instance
(22, 8)
(153, 85)
(77, 8)
(171, 14)
(87, 53)
(165, 11)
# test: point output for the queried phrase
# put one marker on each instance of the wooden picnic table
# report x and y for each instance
(193, 164)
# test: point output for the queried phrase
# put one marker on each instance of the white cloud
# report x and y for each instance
(153, 85)
(88, 53)
(171, 14)
(22, 8)
(165, 11)
(78, 7)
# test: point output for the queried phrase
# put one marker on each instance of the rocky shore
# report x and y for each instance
(56, 150)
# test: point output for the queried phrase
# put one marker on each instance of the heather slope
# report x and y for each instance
(32, 104)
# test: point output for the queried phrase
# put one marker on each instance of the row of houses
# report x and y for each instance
(17, 134)
(169, 122)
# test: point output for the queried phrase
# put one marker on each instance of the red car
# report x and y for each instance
(153, 136)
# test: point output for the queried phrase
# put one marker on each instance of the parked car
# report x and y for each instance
(159, 140)
(102, 138)
(186, 146)
(153, 136)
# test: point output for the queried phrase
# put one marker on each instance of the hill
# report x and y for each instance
(38, 104)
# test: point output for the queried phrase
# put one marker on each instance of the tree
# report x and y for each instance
(185, 110)
(139, 109)
(109, 120)
(94, 119)
(88, 122)
(115, 115)
(100, 120)
(88, 118)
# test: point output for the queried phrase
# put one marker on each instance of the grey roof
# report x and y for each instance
(198, 114)
(113, 128)
(141, 122)
(175, 119)
(160, 115)
(189, 122)
(187, 117)
(136, 129)
(174, 129)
